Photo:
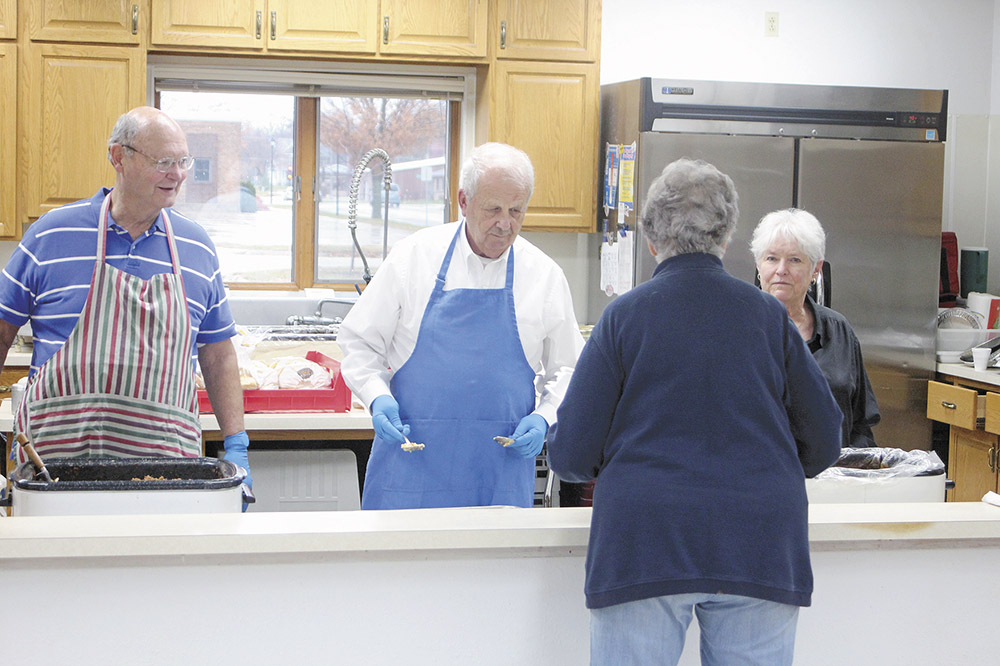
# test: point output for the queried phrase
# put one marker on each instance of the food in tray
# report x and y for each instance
(410, 447)
(506, 441)
(300, 373)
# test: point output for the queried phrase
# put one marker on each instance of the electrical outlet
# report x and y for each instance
(770, 24)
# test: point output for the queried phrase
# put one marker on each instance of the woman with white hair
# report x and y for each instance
(788, 247)
(699, 411)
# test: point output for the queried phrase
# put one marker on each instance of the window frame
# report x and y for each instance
(308, 80)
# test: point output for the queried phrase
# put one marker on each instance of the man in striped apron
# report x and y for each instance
(113, 362)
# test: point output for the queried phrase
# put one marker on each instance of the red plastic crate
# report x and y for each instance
(337, 398)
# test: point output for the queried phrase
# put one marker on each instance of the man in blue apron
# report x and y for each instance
(123, 294)
(466, 333)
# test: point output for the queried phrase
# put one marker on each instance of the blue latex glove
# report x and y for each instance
(236, 453)
(529, 437)
(385, 419)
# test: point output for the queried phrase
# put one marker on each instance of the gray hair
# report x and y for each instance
(691, 207)
(125, 130)
(494, 155)
(793, 224)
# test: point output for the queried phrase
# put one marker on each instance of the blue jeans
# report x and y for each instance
(735, 631)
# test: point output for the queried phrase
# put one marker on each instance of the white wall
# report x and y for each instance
(890, 43)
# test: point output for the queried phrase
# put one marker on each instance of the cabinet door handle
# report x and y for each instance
(948, 405)
(260, 21)
(274, 26)
(135, 19)
(991, 458)
(385, 29)
(503, 34)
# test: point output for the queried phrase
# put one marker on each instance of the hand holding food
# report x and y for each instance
(385, 419)
(529, 436)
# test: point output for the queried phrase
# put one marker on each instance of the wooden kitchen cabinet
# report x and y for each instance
(93, 21)
(70, 97)
(235, 24)
(972, 411)
(550, 111)
(8, 140)
(8, 19)
(434, 27)
(566, 30)
(972, 464)
(331, 26)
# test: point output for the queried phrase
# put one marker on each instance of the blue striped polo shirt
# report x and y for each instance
(48, 277)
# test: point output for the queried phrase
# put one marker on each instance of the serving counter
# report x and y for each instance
(447, 586)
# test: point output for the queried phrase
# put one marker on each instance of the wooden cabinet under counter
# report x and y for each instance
(971, 407)
(953, 405)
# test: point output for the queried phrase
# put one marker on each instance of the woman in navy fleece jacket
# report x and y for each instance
(700, 411)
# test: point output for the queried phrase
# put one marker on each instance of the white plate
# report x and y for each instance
(949, 357)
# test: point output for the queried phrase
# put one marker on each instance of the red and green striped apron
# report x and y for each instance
(123, 384)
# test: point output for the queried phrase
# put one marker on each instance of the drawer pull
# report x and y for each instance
(948, 405)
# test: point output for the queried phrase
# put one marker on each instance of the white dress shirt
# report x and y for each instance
(380, 331)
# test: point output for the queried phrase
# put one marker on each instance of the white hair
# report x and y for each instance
(793, 224)
(489, 156)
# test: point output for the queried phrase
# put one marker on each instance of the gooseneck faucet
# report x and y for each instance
(352, 204)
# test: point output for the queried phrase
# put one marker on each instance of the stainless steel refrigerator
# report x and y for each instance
(869, 163)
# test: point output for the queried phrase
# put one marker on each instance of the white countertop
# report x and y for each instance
(990, 376)
(356, 419)
(532, 531)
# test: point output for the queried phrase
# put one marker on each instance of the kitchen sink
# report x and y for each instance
(280, 309)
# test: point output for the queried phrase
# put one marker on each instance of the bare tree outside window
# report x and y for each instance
(243, 192)
(413, 132)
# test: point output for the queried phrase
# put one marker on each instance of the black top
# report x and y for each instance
(838, 353)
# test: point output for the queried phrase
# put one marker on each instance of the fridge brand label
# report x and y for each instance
(677, 90)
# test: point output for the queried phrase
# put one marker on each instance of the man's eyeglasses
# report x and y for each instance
(165, 164)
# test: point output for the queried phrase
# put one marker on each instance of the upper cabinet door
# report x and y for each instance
(216, 23)
(549, 110)
(8, 19)
(548, 30)
(434, 28)
(8, 137)
(335, 26)
(97, 21)
(71, 96)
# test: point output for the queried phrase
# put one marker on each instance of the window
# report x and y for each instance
(277, 146)
(414, 132)
(201, 173)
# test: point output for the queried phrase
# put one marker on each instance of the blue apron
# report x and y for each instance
(466, 382)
